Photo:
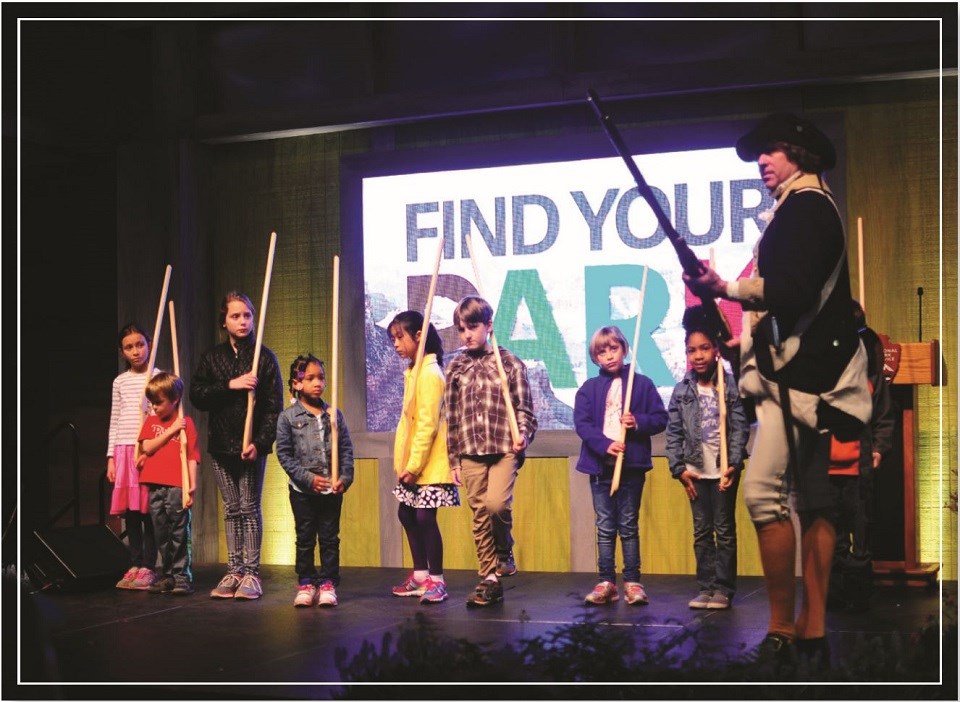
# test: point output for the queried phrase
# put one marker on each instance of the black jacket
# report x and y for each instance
(796, 256)
(228, 408)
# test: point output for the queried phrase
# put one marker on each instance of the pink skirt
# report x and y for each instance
(128, 494)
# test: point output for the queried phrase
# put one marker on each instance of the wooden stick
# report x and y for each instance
(618, 466)
(153, 350)
(721, 400)
(504, 385)
(334, 369)
(248, 423)
(863, 301)
(184, 472)
(409, 410)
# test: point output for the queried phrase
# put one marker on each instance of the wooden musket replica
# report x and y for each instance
(618, 466)
(334, 369)
(409, 410)
(251, 395)
(153, 350)
(184, 471)
(504, 385)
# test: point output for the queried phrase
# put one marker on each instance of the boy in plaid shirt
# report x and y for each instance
(483, 455)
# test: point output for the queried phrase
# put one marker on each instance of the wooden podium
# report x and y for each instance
(895, 547)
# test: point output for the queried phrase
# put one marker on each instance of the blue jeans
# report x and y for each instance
(618, 514)
(715, 537)
(317, 520)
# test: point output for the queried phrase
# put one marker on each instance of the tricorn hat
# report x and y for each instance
(790, 129)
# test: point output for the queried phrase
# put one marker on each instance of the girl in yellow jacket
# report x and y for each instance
(425, 481)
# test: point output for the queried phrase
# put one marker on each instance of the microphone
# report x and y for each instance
(920, 314)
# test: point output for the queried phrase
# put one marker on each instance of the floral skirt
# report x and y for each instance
(427, 496)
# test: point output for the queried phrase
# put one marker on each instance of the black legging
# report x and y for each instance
(423, 535)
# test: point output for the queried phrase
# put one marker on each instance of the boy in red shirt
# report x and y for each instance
(166, 439)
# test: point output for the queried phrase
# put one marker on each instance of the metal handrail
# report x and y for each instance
(74, 502)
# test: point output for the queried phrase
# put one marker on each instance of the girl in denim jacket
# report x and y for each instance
(693, 454)
(304, 446)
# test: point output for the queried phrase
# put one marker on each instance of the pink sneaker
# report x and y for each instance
(126, 581)
(410, 587)
(604, 593)
(327, 595)
(636, 595)
(145, 578)
(306, 595)
(435, 591)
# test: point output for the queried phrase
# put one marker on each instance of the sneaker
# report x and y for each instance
(126, 581)
(506, 567)
(145, 578)
(436, 591)
(306, 595)
(410, 587)
(327, 596)
(226, 588)
(163, 586)
(635, 594)
(182, 586)
(488, 592)
(250, 588)
(604, 593)
(701, 601)
(719, 601)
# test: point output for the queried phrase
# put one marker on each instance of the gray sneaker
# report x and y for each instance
(182, 586)
(226, 588)
(701, 601)
(506, 566)
(719, 601)
(162, 586)
(250, 588)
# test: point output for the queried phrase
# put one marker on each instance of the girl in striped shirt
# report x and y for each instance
(130, 498)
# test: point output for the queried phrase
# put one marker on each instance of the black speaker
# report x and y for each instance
(77, 558)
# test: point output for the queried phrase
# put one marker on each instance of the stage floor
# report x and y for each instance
(232, 649)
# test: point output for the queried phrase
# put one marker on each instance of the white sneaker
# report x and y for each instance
(327, 596)
(306, 596)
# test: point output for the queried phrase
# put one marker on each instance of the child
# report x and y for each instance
(851, 481)
(423, 470)
(479, 441)
(599, 412)
(130, 499)
(220, 385)
(162, 472)
(304, 436)
(693, 454)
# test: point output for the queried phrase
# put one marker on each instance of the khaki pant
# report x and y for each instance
(489, 481)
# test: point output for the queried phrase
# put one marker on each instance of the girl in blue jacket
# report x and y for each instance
(599, 412)
(693, 454)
